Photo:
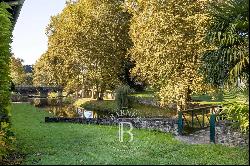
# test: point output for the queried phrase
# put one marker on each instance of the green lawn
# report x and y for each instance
(145, 94)
(140, 110)
(64, 143)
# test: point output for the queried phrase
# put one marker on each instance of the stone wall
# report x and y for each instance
(226, 134)
(158, 124)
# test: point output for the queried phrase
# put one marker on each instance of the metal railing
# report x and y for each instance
(189, 119)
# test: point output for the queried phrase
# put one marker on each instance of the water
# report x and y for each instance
(73, 112)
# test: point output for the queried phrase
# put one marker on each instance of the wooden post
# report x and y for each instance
(192, 118)
(180, 123)
(212, 128)
(203, 119)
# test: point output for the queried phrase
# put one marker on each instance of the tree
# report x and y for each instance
(88, 42)
(127, 78)
(28, 69)
(18, 74)
(168, 44)
(227, 60)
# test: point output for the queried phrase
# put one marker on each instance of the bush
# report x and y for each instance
(236, 107)
(122, 98)
(5, 40)
(6, 140)
(100, 105)
(239, 113)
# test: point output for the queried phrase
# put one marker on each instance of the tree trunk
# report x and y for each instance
(83, 87)
(93, 93)
(83, 91)
(183, 101)
(101, 95)
(189, 92)
(97, 92)
(76, 94)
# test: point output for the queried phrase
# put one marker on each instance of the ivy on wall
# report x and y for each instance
(5, 40)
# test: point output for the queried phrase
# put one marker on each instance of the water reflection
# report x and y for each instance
(73, 112)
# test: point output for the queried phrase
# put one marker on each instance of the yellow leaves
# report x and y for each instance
(168, 45)
(90, 35)
(17, 74)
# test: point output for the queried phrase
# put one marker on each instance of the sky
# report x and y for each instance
(29, 39)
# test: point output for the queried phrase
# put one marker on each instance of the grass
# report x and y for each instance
(100, 105)
(197, 97)
(152, 111)
(64, 143)
(202, 99)
(205, 99)
(144, 110)
(137, 109)
(145, 94)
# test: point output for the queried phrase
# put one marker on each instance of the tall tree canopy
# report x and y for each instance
(18, 75)
(45, 71)
(88, 42)
(228, 34)
(168, 44)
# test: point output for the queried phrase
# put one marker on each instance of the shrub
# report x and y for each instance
(100, 105)
(236, 107)
(122, 98)
(5, 40)
(239, 113)
(6, 140)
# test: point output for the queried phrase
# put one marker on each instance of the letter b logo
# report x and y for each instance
(121, 131)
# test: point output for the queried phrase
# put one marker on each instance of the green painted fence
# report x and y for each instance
(208, 119)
